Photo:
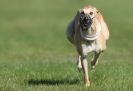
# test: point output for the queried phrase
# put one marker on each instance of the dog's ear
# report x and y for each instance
(78, 16)
(80, 12)
(96, 10)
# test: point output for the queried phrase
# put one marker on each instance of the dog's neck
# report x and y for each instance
(91, 33)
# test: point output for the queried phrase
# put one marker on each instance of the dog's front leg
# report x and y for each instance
(79, 66)
(84, 64)
(95, 59)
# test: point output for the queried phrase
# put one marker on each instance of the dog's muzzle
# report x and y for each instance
(85, 21)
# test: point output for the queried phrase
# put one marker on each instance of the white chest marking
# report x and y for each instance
(89, 48)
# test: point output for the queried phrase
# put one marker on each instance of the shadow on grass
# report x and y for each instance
(51, 81)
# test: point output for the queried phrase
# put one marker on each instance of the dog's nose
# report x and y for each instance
(85, 19)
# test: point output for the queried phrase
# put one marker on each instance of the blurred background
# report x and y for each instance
(35, 54)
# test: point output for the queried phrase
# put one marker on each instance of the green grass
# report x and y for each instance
(36, 56)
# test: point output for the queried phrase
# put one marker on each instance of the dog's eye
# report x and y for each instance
(82, 12)
(91, 13)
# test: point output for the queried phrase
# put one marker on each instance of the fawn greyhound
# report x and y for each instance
(89, 33)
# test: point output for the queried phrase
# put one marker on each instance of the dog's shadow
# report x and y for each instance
(51, 81)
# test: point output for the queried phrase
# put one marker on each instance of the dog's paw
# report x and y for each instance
(87, 84)
(79, 68)
(93, 67)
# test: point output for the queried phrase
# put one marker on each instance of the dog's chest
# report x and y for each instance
(89, 47)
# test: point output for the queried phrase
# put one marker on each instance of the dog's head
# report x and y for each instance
(86, 16)
(85, 20)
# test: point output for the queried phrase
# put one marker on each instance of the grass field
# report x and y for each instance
(36, 56)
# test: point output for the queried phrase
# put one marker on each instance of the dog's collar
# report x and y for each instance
(94, 36)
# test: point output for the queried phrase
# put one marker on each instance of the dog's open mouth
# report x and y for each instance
(85, 21)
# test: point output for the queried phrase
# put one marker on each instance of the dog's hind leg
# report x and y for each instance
(95, 59)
